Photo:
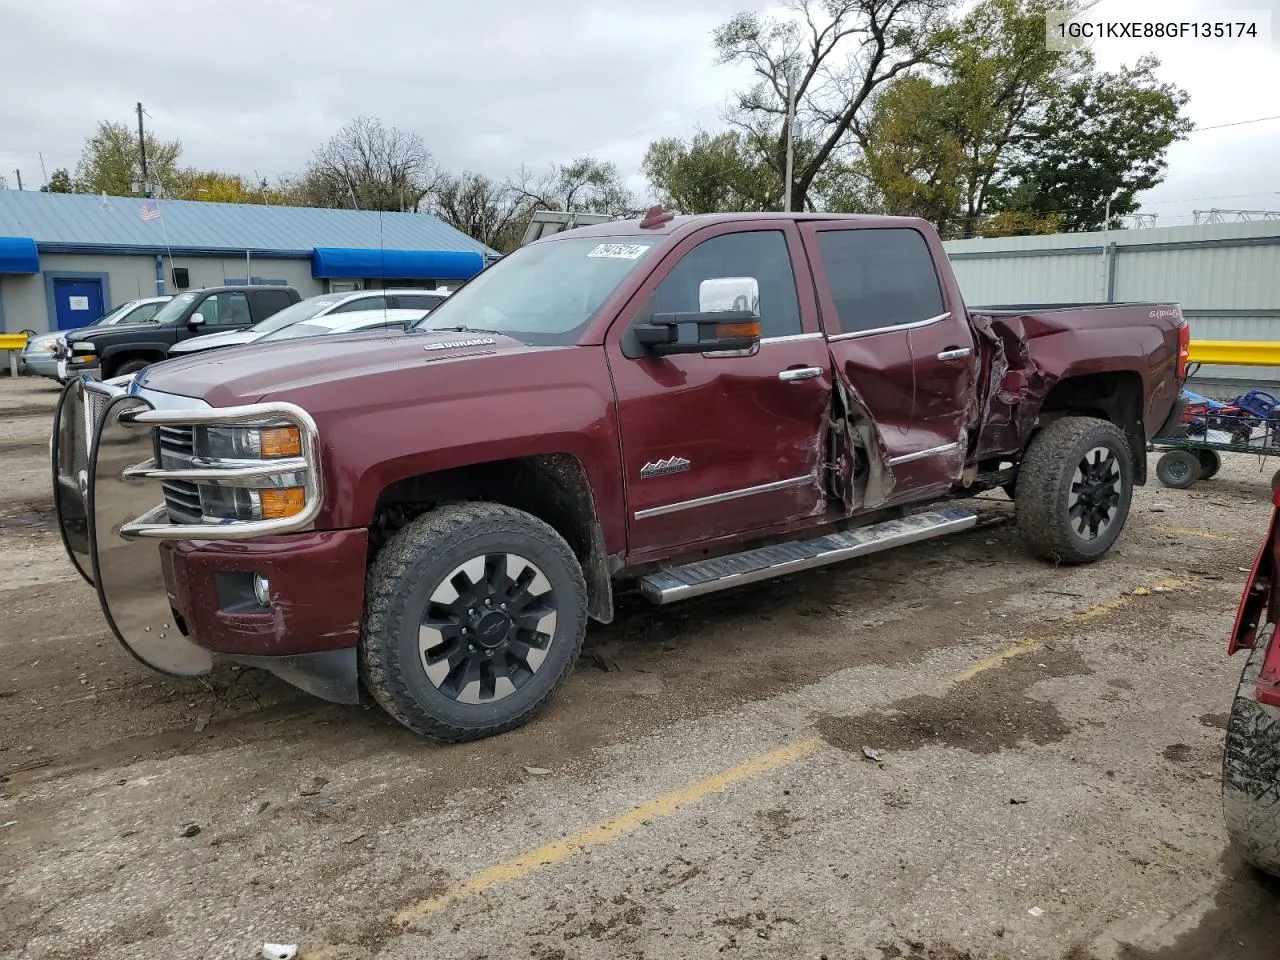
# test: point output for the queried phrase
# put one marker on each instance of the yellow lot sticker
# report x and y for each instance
(558, 850)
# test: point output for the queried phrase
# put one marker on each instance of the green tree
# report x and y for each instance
(834, 54)
(1105, 136)
(711, 173)
(60, 182)
(111, 162)
(942, 146)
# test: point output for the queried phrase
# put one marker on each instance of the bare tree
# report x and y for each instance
(485, 210)
(370, 167)
(834, 53)
(585, 185)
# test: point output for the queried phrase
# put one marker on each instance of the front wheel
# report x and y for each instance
(476, 612)
(1250, 761)
(1179, 469)
(1075, 485)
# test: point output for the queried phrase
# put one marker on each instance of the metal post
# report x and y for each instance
(791, 125)
(248, 269)
(18, 174)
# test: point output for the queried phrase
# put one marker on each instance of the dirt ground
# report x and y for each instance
(1049, 747)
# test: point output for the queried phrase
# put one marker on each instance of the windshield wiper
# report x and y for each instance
(455, 328)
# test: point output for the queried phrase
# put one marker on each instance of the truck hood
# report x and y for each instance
(232, 338)
(248, 374)
(102, 337)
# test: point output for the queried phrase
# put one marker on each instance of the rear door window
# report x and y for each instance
(879, 278)
(361, 303)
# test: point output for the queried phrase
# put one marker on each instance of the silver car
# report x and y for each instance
(312, 308)
(41, 353)
(356, 321)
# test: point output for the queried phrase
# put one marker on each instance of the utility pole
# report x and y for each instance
(142, 152)
(791, 125)
(43, 173)
(18, 174)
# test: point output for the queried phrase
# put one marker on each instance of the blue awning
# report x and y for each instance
(400, 264)
(19, 255)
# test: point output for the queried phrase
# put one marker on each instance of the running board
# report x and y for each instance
(764, 563)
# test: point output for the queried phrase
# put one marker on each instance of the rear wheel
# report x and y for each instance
(1179, 469)
(476, 612)
(1074, 489)
(1251, 772)
(1210, 463)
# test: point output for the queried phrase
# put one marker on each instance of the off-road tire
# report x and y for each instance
(401, 580)
(128, 367)
(1045, 481)
(1210, 463)
(1179, 469)
(1251, 772)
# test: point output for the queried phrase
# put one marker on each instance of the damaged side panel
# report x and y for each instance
(859, 467)
(1012, 388)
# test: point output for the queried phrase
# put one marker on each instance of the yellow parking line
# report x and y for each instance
(558, 850)
(600, 833)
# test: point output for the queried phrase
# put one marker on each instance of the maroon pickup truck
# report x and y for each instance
(686, 403)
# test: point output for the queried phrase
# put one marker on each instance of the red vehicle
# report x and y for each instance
(1251, 759)
(692, 403)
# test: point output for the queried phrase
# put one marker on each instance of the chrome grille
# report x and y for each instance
(175, 448)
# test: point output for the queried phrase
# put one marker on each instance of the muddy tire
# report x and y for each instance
(1251, 772)
(1179, 469)
(475, 613)
(1210, 463)
(1075, 485)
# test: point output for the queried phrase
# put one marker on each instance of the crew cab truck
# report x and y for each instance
(108, 352)
(690, 403)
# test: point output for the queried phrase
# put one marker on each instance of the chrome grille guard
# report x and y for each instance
(106, 403)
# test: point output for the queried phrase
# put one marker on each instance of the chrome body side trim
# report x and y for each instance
(922, 454)
(899, 326)
(722, 497)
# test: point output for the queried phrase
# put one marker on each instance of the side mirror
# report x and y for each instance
(195, 321)
(728, 318)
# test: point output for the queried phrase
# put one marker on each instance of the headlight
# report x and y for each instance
(248, 443)
(258, 503)
(50, 346)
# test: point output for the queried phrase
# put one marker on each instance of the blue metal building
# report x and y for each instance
(65, 259)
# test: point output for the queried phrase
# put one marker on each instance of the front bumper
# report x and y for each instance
(42, 364)
(181, 597)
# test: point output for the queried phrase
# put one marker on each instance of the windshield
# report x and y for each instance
(544, 293)
(114, 316)
(295, 313)
(173, 309)
(138, 313)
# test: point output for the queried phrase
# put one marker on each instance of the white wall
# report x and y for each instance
(22, 298)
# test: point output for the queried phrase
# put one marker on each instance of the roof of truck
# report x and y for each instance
(680, 223)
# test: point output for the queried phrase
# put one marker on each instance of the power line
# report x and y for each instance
(1238, 123)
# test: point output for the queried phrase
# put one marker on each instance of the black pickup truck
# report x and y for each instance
(115, 351)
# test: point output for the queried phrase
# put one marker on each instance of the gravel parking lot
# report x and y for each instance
(1049, 745)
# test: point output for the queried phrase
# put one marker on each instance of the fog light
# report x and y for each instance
(262, 589)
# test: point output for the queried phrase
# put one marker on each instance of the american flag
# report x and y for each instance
(150, 211)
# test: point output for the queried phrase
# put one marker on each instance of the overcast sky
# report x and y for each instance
(255, 86)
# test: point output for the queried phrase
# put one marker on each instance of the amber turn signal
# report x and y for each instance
(747, 328)
(281, 442)
(283, 502)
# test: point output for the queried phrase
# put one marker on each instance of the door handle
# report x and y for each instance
(800, 373)
(958, 353)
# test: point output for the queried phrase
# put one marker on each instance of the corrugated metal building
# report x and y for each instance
(65, 259)
(1225, 276)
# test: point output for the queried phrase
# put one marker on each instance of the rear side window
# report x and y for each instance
(361, 303)
(273, 300)
(880, 278)
(419, 301)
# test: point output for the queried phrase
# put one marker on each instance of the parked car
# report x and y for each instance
(1251, 755)
(320, 306)
(690, 403)
(103, 354)
(42, 351)
(356, 321)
